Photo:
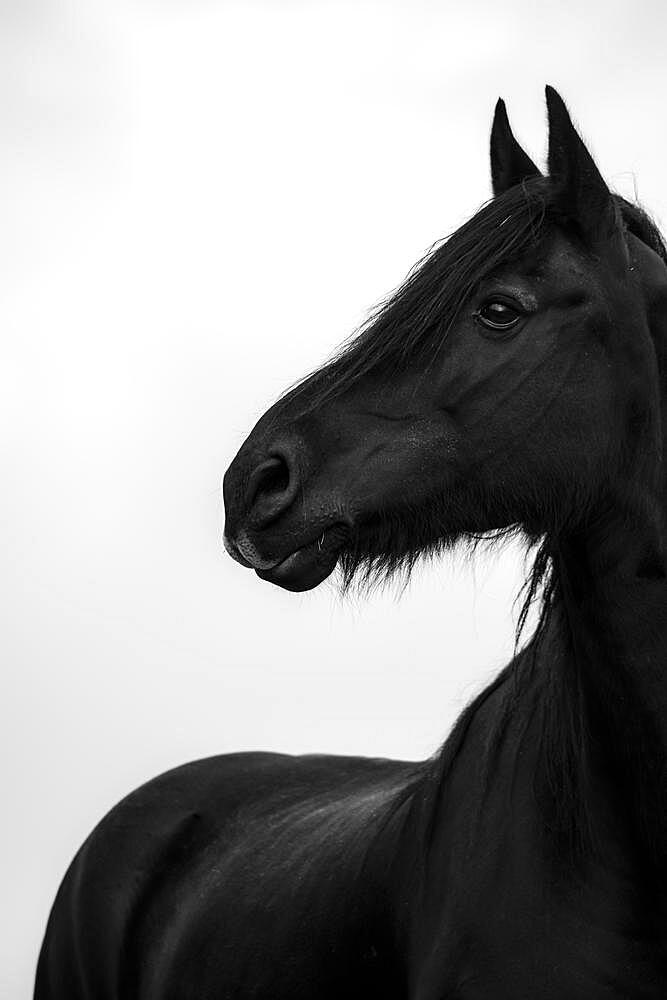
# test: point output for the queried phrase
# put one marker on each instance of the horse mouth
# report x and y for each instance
(309, 565)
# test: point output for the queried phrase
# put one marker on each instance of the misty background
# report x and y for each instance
(200, 201)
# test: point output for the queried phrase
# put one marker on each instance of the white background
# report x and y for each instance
(200, 200)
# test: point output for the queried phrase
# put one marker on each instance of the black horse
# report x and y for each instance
(517, 381)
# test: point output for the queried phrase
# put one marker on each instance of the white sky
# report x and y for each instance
(200, 200)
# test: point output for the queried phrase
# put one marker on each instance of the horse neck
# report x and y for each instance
(610, 602)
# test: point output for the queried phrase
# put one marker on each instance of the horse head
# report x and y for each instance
(512, 381)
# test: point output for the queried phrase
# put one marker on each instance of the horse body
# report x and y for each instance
(262, 875)
(517, 381)
(269, 876)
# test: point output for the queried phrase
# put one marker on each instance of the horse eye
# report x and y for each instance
(497, 315)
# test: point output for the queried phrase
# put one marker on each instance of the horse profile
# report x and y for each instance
(516, 382)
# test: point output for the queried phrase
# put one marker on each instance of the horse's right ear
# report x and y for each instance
(509, 164)
(581, 192)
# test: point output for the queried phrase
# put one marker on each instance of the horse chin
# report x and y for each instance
(308, 567)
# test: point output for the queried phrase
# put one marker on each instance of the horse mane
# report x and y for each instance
(415, 318)
(638, 222)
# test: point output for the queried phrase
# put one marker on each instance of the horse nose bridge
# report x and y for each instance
(262, 482)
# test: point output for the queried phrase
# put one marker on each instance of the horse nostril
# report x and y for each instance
(271, 477)
(271, 488)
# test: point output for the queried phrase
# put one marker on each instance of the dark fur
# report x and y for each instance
(528, 857)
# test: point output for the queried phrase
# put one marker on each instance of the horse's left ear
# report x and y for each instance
(581, 192)
(510, 165)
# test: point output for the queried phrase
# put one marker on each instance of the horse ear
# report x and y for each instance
(509, 164)
(582, 194)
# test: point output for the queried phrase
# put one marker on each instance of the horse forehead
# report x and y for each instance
(562, 258)
(562, 282)
(558, 271)
(556, 258)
